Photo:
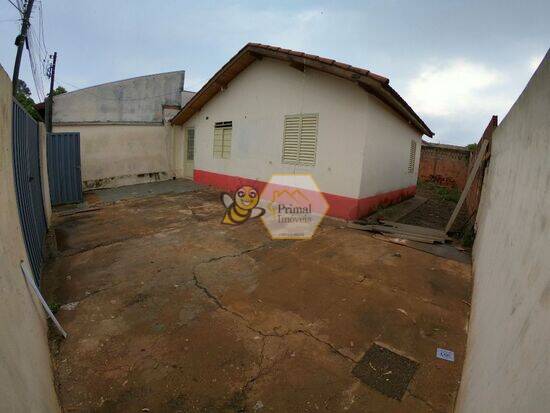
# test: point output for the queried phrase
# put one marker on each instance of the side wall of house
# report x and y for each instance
(386, 178)
(26, 381)
(257, 101)
(507, 366)
(116, 155)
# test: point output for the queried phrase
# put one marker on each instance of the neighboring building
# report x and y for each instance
(445, 165)
(124, 134)
(271, 110)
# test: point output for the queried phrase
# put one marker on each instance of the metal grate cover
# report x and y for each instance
(385, 371)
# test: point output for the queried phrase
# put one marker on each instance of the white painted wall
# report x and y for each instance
(116, 155)
(387, 151)
(139, 99)
(507, 366)
(124, 130)
(26, 382)
(259, 98)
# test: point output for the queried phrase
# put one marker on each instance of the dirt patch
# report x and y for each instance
(177, 312)
(436, 211)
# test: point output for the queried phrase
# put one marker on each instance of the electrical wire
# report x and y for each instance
(18, 6)
(41, 27)
(34, 54)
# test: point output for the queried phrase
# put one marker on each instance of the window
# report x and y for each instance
(222, 139)
(190, 144)
(412, 156)
(300, 139)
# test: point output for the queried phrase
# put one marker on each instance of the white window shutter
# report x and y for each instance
(412, 156)
(308, 140)
(300, 139)
(291, 138)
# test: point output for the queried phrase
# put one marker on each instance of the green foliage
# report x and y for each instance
(468, 237)
(23, 96)
(448, 194)
(59, 90)
(54, 306)
(471, 147)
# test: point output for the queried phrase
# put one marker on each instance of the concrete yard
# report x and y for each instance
(168, 310)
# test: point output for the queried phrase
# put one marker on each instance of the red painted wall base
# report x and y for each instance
(340, 206)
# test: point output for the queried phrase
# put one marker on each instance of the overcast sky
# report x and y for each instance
(455, 62)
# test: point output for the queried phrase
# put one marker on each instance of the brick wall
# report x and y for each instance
(446, 165)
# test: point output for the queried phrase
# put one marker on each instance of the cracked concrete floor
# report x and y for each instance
(171, 311)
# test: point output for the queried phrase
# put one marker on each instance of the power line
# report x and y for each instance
(41, 26)
(36, 74)
(16, 6)
(19, 42)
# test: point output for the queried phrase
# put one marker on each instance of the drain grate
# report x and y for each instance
(385, 371)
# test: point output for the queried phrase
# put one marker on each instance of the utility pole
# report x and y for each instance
(49, 103)
(19, 42)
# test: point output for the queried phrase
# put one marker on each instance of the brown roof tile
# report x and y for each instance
(388, 95)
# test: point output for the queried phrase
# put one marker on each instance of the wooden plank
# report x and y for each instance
(412, 237)
(414, 228)
(444, 251)
(469, 182)
(410, 234)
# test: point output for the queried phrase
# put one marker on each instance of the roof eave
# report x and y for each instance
(371, 82)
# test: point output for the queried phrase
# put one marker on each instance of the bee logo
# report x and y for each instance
(242, 206)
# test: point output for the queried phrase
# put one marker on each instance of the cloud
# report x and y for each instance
(456, 88)
(535, 61)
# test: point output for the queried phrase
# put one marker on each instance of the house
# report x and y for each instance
(271, 110)
(124, 134)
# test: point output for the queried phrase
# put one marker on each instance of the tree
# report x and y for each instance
(23, 96)
(59, 90)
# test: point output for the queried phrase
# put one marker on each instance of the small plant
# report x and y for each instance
(468, 237)
(54, 306)
(448, 194)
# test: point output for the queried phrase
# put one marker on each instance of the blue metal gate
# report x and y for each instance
(28, 186)
(64, 167)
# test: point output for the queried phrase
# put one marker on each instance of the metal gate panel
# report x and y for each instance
(64, 167)
(28, 186)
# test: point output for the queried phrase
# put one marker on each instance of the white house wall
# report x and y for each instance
(257, 101)
(387, 152)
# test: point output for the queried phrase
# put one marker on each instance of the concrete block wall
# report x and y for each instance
(507, 367)
(26, 380)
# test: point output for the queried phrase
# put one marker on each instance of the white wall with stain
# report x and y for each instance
(507, 367)
(125, 136)
(362, 145)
